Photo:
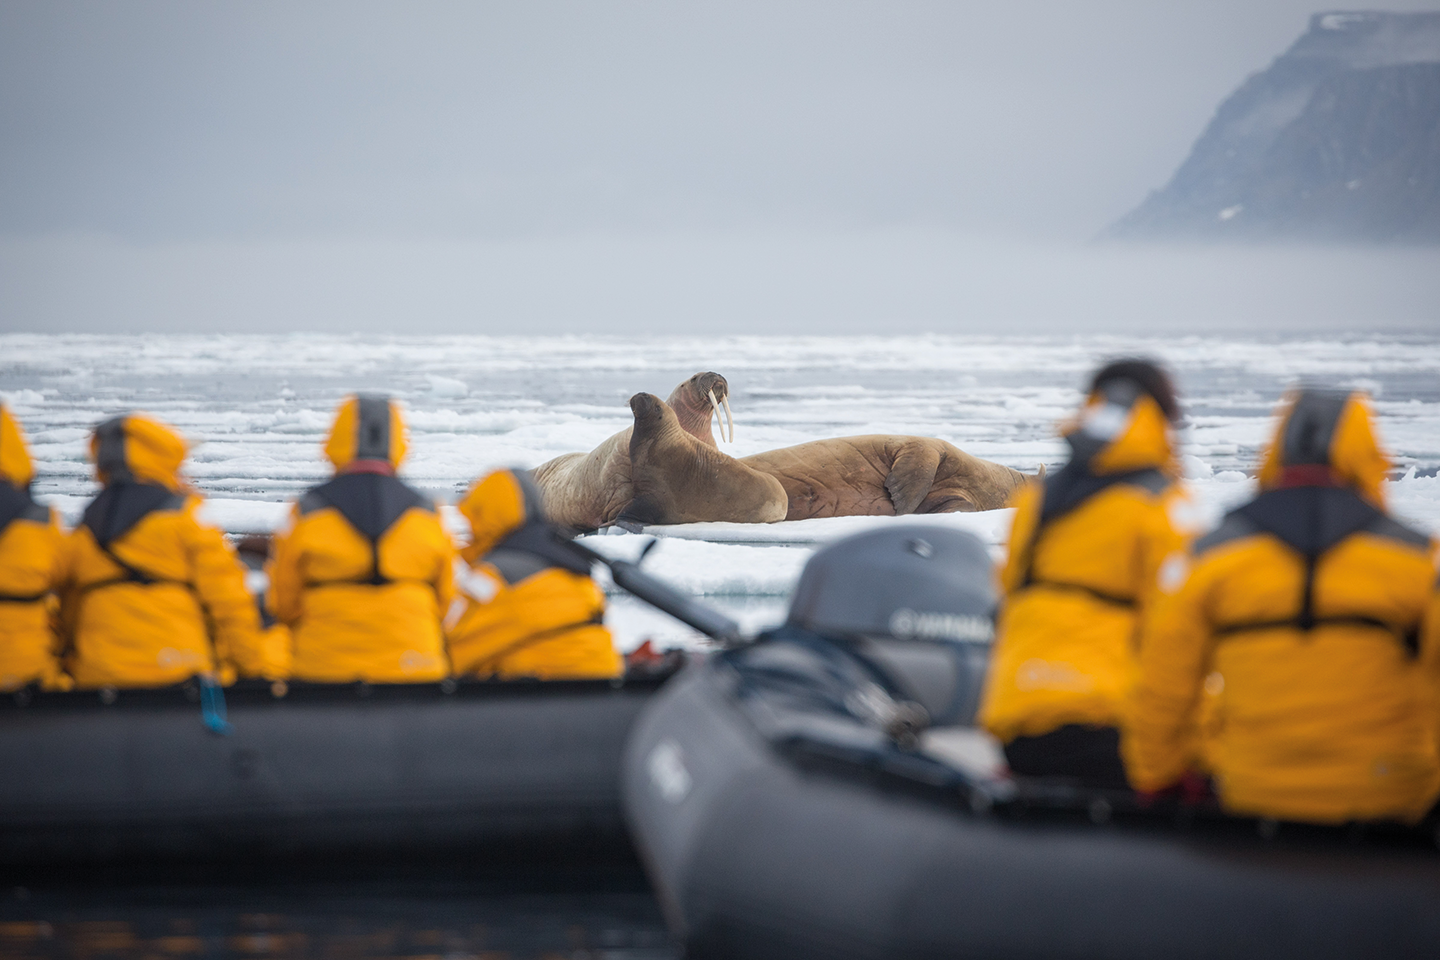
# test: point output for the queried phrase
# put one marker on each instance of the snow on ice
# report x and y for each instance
(259, 408)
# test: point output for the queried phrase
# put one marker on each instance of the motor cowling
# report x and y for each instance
(906, 582)
(916, 601)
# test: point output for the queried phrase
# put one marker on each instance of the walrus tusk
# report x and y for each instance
(719, 420)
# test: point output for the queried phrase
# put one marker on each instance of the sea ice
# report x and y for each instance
(262, 405)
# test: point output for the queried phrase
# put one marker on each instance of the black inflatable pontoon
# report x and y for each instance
(789, 801)
(344, 768)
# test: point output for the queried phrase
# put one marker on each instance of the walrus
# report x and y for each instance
(676, 478)
(587, 491)
(884, 475)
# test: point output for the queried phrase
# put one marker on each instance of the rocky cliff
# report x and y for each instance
(1339, 140)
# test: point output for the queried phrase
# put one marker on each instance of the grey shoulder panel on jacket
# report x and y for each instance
(1152, 481)
(515, 565)
(311, 502)
(1235, 526)
(1392, 529)
(37, 512)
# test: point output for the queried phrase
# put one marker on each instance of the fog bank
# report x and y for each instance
(903, 281)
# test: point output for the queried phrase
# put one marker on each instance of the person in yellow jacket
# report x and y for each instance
(152, 595)
(1302, 616)
(362, 574)
(526, 611)
(32, 550)
(1085, 549)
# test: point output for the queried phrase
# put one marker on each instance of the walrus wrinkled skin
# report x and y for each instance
(884, 476)
(587, 491)
(677, 478)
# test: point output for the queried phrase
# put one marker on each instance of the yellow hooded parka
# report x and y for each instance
(1301, 617)
(32, 551)
(362, 574)
(152, 596)
(1085, 549)
(523, 616)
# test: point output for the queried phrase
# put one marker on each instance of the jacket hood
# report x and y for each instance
(135, 447)
(496, 506)
(366, 428)
(1326, 437)
(1120, 429)
(15, 463)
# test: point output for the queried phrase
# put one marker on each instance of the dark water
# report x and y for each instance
(490, 910)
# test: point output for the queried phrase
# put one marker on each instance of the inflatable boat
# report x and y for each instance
(294, 769)
(298, 768)
(820, 793)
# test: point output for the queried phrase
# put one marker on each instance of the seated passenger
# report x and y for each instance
(1304, 611)
(524, 616)
(152, 596)
(1080, 577)
(362, 573)
(32, 551)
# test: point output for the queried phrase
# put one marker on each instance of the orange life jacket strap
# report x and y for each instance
(1101, 595)
(1410, 639)
(534, 638)
(146, 582)
(363, 582)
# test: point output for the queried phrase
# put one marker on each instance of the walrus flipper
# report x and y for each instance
(637, 515)
(912, 474)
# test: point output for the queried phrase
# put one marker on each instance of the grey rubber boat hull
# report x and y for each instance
(756, 856)
(346, 769)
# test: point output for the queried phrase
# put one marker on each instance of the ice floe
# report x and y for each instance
(259, 408)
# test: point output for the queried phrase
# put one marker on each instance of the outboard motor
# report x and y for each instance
(918, 603)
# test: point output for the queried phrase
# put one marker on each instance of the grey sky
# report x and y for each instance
(175, 129)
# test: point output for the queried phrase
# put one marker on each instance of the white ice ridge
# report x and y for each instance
(991, 526)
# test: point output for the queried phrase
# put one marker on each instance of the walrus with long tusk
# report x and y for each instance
(885, 475)
(676, 478)
(586, 491)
